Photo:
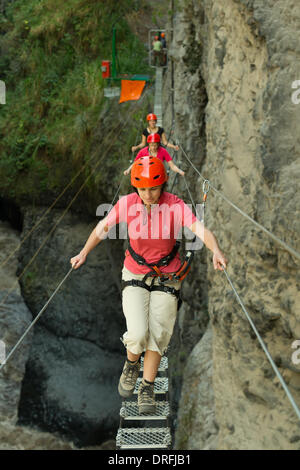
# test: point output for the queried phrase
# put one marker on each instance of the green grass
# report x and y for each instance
(54, 104)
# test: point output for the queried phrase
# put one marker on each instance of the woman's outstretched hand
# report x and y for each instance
(219, 261)
(78, 260)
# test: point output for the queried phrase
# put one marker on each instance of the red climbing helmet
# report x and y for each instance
(153, 138)
(148, 172)
(151, 117)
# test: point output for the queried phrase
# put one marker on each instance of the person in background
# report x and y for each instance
(163, 40)
(164, 48)
(157, 50)
(153, 128)
(156, 150)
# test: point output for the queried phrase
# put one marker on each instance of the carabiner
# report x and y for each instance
(206, 186)
(205, 189)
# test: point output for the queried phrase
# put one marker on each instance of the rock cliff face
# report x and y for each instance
(71, 377)
(14, 319)
(234, 65)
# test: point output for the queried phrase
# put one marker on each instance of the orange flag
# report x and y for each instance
(131, 90)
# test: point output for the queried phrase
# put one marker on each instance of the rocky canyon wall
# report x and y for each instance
(234, 65)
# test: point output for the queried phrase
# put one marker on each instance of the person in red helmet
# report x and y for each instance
(153, 128)
(164, 48)
(163, 40)
(156, 150)
(152, 270)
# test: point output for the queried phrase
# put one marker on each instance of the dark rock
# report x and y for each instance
(70, 387)
(71, 379)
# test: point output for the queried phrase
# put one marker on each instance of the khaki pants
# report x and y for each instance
(150, 316)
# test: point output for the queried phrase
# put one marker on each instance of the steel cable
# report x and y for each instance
(288, 248)
(275, 368)
(36, 319)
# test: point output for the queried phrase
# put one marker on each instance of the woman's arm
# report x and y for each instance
(140, 154)
(175, 168)
(141, 145)
(168, 144)
(211, 243)
(96, 236)
(126, 172)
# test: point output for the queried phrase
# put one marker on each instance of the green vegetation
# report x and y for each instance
(55, 115)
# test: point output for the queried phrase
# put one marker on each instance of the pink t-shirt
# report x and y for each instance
(152, 235)
(162, 154)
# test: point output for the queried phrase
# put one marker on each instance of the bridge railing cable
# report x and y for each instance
(284, 245)
(206, 187)
(275, 368)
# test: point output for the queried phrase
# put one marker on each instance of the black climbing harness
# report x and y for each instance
(156, 273)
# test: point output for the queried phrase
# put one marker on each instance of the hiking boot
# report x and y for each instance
(146, 398)
(128, 378)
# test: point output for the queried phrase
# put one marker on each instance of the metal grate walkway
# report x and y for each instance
(140, 438)
(158, 96)
(163, 366)
(130, 411)
(160, 385)
(146, 431)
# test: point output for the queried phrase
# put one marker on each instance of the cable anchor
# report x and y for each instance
(205, 189)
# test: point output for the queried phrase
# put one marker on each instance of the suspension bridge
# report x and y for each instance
(154, 431)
